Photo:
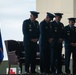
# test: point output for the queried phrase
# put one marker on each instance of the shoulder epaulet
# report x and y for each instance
(25, 20)
(66, 26)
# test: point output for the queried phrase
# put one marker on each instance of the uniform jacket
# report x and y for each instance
(45, 31)
(57, 30)
(30, 30)
(70, 34)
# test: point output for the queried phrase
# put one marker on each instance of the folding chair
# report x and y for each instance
(21, 54)
(11, 47)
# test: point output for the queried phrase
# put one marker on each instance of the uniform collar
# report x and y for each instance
(46, 21)
(31, 21)
(56, 22)
(71, 26)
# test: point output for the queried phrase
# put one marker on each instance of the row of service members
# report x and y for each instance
(50, 36)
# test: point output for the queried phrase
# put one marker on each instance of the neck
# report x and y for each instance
(32, 20)
(71, 25)
(46, 20)
(57, 21)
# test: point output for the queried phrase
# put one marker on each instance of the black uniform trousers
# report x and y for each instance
(30, 57)
(45, 57)
(68, 50)
(56, 62)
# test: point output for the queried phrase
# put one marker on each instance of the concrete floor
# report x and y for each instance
(4, 65)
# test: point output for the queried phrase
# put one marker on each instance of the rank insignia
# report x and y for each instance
(30, 29)
(29, 25)
(68, 32)
(55, 30)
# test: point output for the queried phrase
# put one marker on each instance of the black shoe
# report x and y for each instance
(42, 72)
(60, 73)
(49, 72)
(34, 72)
(67, 71)
(74, 73)
(53, 73)
(27, 72)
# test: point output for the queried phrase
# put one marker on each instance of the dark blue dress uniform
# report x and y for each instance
(70, 37)
(57, 30)
(1, 41)
(45, 45)
(30, 31)
(1, 48)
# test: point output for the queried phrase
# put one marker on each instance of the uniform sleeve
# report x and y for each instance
(66, 42)
(62, 31)
(25, 30)
(66, 39)
(38, 30)
(65, 33)
(42, 30)
(35, 33)
(51, 31)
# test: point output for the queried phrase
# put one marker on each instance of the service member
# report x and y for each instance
(70, 45)
(31, 36)
(1, 48)
(56, 45)
(44, 43)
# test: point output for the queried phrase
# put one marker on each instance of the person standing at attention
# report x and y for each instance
(57, 34)
(44, 43)
(70, 45)
(31, 36)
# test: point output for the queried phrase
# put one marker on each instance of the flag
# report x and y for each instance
(1, 49)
